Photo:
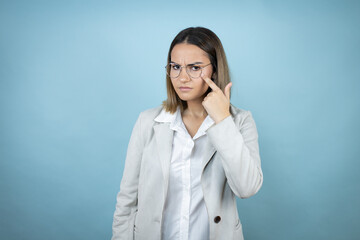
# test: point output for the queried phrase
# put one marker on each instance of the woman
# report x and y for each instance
(188, 158)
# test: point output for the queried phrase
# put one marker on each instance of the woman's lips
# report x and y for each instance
(185, 89)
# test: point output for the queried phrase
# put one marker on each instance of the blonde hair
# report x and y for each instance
(211, 44)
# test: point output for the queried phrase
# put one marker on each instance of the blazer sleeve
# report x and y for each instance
(126, 200)
(239, 150)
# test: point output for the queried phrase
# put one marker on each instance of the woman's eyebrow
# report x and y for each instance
(188, 64)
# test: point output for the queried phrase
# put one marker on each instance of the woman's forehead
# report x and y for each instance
(188, 53)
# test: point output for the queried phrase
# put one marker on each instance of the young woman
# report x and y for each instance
(188, 158)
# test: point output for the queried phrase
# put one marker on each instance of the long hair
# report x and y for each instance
(209, 43)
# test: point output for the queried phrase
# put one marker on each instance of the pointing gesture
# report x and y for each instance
(217, 103)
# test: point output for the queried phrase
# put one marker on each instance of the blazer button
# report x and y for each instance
(217, 219)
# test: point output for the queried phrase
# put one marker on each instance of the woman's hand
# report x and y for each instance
(217, 103)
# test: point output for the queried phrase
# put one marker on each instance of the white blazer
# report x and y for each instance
(232, 167)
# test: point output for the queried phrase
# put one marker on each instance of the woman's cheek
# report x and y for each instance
(204, 87)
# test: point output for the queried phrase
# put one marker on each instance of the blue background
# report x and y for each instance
(74, 75)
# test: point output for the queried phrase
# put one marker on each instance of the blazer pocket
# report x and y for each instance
(133, 222)
(238, 224)
(238, 234)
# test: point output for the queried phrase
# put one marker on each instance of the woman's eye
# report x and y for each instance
(176, 67)
(195, 68)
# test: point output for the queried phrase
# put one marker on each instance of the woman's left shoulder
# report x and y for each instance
(239, 113)
(242, 118)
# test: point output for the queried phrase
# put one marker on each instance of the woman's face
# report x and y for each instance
(184, 54)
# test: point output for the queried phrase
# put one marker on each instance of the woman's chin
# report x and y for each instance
(184, 98)
(188, 98)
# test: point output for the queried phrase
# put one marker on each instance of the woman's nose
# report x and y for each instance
(183, 75)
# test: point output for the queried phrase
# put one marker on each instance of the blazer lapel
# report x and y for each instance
(209, 151)
(164, 139)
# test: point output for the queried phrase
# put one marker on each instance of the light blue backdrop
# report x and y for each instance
(74, 75)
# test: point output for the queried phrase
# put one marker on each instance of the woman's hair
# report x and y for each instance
(211, 44)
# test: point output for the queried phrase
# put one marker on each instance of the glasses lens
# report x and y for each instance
(174, 70)
(194, 71)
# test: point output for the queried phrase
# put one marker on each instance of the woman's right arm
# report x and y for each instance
(126, 201)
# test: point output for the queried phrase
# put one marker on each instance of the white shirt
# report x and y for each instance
(185, 216)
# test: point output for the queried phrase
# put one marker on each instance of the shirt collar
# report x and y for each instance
(177, 124)
(165, 116)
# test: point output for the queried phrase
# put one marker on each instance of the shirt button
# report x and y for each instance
(217, 219)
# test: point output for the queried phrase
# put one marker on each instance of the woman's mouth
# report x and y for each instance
(185, 89)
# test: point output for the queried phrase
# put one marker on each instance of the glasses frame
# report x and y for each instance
(181, 67)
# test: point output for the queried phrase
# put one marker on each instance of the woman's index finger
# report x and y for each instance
(211, 84)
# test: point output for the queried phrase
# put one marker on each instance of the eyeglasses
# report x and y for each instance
(193, 70)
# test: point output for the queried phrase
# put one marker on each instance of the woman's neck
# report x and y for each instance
(195, 109)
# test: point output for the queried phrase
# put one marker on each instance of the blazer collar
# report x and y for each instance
(165, 116)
